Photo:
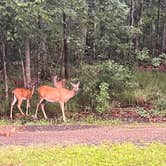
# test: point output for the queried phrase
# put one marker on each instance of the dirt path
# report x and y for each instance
(84, 134)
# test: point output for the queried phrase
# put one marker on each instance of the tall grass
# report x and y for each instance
(150, 80)
(151, 85)
(87, 155)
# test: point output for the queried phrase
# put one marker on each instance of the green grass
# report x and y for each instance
(87, 121)
(85, 155)
(151, 84)
(152, 80)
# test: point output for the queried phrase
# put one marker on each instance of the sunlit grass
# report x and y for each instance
(85, 155)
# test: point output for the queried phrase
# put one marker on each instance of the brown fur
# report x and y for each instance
(58, 94)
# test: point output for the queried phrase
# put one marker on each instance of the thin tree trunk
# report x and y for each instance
(132, 12)
(42, 59)
(139, 23)
(27, 62)
(45, 58)
(164, 39)
(23, 68)
(5, 72)
(131, 40)
(90, 50)
(102, 24)
(65, 59)
(38, 64)
(153, 38)
(157, 30)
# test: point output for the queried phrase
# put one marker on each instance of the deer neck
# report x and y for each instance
(71, 93)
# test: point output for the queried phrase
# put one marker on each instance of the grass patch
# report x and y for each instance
(87, 121)
(93, 120)
(4, 122)
(150, 80)
(151, 86)
(85, 155)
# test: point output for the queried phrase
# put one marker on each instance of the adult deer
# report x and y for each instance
(56, 94)
(58, 84)
(20, 94)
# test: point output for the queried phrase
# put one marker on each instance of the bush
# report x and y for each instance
(157, 61)
(118, 78)
(102, 98)
(160, 106)
(143, 56)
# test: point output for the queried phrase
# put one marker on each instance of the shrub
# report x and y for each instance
(143, 56)
(91, 77)
(160, 106)
(157, 61)
(142, 112)
(102, 98)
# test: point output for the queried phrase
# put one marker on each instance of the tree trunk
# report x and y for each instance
(139, 23)
(5, 72)
(27, 62)
(44, 58)
(132, 12)
(90, 49)
(65, 59)
(23, 68)
(153, 38)
(164, 39)
(158, 30)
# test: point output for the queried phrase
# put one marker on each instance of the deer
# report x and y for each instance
(20, 94)
(55, 94)
(56, 83)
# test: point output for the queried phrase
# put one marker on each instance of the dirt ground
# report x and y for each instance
(81, 134)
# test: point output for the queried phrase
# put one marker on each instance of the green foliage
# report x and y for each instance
(111, 30)
(103, 98)
(4, 108)
(117, 77)
(160, 106)
(142, 112)
(143, 55)
(83, 155)
(156, 61)
(151, 89)
(153, 81)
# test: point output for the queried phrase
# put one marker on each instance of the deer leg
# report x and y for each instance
(12, 105)
(63, 111)
(19, 106)
(37, 108)
(27, 108)
(44, 113)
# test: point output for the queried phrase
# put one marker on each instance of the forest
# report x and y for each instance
(114, 49)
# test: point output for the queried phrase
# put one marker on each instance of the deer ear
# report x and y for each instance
(78, 84)
(73, 85)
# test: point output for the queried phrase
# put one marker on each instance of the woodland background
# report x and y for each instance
(115, 48)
